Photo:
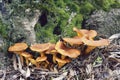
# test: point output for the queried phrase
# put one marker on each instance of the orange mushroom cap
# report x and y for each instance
(83, 32)
(80, 32)
(51, 49)
(92, 33)
(26, 55)
(40, 47)
(102, 42)
(70, 52)
(73, 40)
(62, 62)
(18, 47)
(40, 59)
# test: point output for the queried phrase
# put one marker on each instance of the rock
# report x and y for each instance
(115, 39)
(24, 27)
(106, 23)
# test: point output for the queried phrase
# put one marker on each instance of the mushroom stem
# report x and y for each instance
(19, 63)
(63, 57)
(21, 59)
(60, 64)
(42, 54)
(27, 62)
(38, 64)
(33, 61)
(14, 62)
(54, 58)
(89, 49)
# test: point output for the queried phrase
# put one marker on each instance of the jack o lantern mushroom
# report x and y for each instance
(41, 48)
(26, 55)
(18, 48)
(40, 59)
(91, 44)
(52, 51)
(87, 36)
(101, 42)
(73, 41)
(80, 32)
(65, 51)
(62, 62)
(90, 34)
(33, 61)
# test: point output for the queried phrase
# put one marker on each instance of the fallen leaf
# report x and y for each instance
(61, 77)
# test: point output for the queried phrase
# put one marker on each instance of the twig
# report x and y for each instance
(4, 72)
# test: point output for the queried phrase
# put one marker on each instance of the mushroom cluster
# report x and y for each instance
(59, 53)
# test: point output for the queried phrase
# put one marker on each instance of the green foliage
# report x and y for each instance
(3, 29)
(73, 7)
(86, 8)
(45, 34)
(106, 4)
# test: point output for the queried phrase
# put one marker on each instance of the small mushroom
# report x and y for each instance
(90, 34)
(102, 42)
(73, 41)
(26, 55)
(80, 32)
(18, 48)
(89, 49)
(62, 62)
(65, 51)
(91, 44)
(41, 48)
(33, 61)
(40, 59)
(52, 51)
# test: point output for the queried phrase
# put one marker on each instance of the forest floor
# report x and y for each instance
(101, 64)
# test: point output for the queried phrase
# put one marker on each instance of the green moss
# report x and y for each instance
(60, 3)
(78, 20)
(3, 29)
(106, 4)
(73, 7)
(45, 34)
(116, 4)
(86, 8)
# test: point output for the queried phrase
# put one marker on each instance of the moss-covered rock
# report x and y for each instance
(106, 23)
(57, 18)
